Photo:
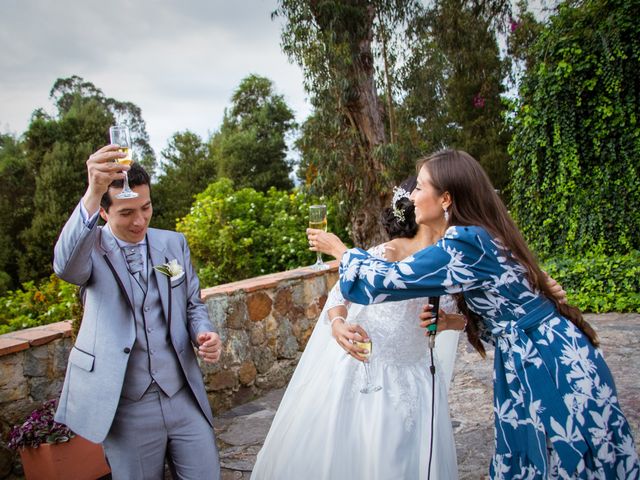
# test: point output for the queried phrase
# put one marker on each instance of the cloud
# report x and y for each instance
(178, 61)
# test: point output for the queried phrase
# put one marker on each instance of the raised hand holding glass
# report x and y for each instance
(120, 136)
(318, 220)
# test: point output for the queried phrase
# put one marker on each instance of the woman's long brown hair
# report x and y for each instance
(475, 202)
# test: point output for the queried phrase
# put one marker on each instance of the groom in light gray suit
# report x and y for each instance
(133, 382)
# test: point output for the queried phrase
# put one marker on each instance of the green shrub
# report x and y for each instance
(245, 233)
(53, 300)
(600, 283)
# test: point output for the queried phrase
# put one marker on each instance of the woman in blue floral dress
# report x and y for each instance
(555, 404)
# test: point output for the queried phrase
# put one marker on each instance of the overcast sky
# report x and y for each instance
(178, 60)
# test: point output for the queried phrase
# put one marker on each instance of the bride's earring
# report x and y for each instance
(446, 215)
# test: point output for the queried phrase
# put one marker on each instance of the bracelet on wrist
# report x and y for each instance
(337, 317)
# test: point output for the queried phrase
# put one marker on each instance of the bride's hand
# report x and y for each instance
(345, 334)
(446, 321)
(325, 242)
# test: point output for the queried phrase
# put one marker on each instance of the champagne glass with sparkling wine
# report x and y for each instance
(120, 136)
(369, 386)
(318, 220)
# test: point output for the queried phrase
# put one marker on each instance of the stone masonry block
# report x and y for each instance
(258, 306)
(237, 312)
(36, 361)
(283, 301)
(12, 384)
(60, 354)
(287, 342)
(247, 373)
(314, 288)
(217, 307)
(263, 359)
(42, 389)
(236, 348)
(297, 293)
(225, 379)
(257, 334)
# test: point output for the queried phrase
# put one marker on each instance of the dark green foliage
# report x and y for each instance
(250, 147)
(347, 49)
(187, 171)
(576, 149)
(16, 207)
(391, 81)
(65, 93)
(235, 234)
(56, 150)
(600, 283)
(454, 83)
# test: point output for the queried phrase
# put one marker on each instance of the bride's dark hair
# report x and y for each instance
(475, 202)
(399, 220)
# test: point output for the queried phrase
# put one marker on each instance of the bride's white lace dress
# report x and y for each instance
(326, 429)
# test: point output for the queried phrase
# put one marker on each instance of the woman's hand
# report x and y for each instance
(446, 321)
(347, 333)
(325, 242)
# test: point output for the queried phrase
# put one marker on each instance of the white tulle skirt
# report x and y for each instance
(326, 429)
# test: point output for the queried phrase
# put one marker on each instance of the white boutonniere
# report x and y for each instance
(171, 269)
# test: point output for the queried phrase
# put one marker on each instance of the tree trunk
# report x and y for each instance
(367, 229)
(391, 112)
(362, 107)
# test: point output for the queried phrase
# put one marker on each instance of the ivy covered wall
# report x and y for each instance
(575, 169)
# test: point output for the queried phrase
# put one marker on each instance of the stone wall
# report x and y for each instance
(264, 323)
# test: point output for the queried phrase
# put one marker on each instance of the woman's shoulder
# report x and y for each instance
(378, 251)
(466, 232)
(472, 239)
(391, 251)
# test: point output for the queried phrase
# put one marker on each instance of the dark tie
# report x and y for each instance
(134, 262)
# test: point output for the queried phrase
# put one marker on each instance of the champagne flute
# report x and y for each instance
(318, 220)
(369, 386)
(120, 136)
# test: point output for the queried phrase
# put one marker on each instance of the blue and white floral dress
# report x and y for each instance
(555, 403)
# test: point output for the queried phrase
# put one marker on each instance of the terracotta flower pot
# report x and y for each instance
(77, 459)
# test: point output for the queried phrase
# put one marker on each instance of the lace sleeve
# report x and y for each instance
(334, 299)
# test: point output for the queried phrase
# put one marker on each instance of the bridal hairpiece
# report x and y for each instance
(398, 193)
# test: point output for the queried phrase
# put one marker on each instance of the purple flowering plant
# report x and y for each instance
(39, 427)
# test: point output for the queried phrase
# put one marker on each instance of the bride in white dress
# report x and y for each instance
(325, 428)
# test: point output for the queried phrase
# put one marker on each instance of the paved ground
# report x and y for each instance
(242, 430)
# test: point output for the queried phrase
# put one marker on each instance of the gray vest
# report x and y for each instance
(152, 357)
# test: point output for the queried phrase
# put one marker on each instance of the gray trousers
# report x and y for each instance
(146, 431)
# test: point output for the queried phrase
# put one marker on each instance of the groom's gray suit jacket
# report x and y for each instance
(91, 257)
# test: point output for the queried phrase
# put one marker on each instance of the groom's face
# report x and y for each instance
(129, 218)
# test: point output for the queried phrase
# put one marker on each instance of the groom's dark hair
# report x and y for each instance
(137, 176)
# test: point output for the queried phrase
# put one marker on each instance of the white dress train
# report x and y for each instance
(325, 429)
